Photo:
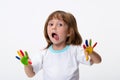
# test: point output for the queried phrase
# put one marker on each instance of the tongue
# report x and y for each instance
(56, 37)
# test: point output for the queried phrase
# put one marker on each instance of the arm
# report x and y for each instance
(29, 70)
(95, 57)
(24, 59)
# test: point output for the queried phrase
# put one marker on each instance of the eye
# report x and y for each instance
(50, 24)
(60, 24)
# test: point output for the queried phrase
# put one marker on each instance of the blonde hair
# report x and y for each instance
(75, 37)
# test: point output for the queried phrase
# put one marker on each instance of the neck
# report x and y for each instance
(58, 46)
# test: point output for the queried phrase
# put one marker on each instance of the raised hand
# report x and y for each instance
(24, 58)
(88, 48)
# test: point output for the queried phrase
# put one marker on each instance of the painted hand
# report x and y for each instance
(88, 48)
(23, 57)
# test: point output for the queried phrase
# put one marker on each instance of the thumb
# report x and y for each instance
(86, 55)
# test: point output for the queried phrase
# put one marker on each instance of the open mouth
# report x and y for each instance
(55, 36)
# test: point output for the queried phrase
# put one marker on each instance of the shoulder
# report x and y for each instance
(76, 47)
(39, 53)
(77, 50)
(43, 51)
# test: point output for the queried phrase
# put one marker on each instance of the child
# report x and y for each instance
(61, 58)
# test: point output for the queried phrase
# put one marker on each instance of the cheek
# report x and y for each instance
(48, 31)
(63, 33)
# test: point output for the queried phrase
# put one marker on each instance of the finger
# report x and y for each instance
(17, 57)
(29, 62)
(86, 42)
(84, 46)
(26, 54)
(94, 44)
(90, 42)
(21, 52)
(20, 55)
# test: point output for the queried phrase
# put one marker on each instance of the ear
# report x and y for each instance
(69, 33)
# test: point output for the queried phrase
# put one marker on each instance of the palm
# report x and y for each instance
(88, 47)
(23, 57)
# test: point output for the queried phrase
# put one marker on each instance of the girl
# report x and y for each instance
(61, 58)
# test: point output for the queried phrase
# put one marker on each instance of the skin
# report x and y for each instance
(29, 70)
(61, 29)
(95, 58)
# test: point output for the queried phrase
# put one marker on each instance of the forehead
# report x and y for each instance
(56, 16)
(59, 15)
(56, 20)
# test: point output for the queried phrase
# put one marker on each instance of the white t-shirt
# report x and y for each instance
(60, 64)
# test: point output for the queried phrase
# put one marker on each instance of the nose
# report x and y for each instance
(54, 27)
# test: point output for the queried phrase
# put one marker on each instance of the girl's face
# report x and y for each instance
(57, 31)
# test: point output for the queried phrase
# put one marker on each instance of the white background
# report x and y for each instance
(22, 24)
